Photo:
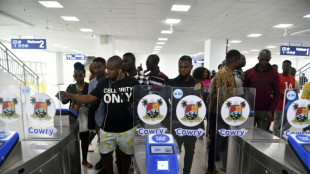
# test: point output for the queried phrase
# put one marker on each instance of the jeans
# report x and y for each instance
(277, 122)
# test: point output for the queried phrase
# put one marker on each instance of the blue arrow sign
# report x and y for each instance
(28, 43)
(294, 51)
(75, 56)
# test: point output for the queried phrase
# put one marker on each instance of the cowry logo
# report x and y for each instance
(11, 107)
(298, 113)
(40, 107)
(152, 109)
(235, 111)
(191, 110)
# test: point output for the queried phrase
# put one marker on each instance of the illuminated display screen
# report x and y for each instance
(162, 149)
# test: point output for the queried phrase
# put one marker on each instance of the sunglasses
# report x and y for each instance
(79, 76)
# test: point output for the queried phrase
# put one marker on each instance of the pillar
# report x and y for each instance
(105, 46)
(214, 53)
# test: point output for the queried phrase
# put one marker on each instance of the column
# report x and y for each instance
(105, 46)
(215, 53)
(59, 68)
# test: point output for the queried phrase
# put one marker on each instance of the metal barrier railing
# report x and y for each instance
(17, 68)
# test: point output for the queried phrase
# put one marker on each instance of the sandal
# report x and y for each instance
(87, 164)
(98, 165)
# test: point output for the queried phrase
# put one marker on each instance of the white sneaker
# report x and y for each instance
(90, 148)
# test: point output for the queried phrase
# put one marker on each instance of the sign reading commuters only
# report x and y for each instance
(28, 43)
(75, 56)
(294, 51)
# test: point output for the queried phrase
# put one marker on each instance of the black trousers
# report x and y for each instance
(189, 146)
(84, 144)
(218, 144)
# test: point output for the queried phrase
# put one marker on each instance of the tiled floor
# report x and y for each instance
(93, 158)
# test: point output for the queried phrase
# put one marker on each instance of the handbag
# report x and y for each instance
(83, 119)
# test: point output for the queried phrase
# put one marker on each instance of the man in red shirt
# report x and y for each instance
(266, 81)
(287, 81)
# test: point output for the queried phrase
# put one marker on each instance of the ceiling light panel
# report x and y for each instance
(163, 39)
(307, 16)
(157, 46)
(51, 4)
(254, 50)
(271, 46)
(166, 31)
(184, 8)
(86, 30)
(254, 35)
(156, 49)
(235, 41)
(173, 21)
(283, 25)
(70, 18)
(160, 43)
(244, 52)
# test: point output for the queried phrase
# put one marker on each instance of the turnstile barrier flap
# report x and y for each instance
(40, 111)
(233, 119)
(188, 126)
(152, 109)
(11, 109)
(294, 115)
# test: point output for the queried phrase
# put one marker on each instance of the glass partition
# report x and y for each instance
(188, 127)
(234, 119)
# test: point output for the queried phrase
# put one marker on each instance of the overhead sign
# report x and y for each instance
(28, 43)
(75, 56)
(294, 51)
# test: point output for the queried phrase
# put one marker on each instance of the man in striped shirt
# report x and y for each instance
(156, 78)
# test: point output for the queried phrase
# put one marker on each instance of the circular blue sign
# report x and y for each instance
(160, 138)
(4, 134)
(178, 93)
(291, 95)
(25, 90)
(303, 138)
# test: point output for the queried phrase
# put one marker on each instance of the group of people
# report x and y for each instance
(110, 92)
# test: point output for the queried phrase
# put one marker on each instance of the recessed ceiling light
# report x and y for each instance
(156, 49)
(244, 52)
(70, 18)
(173, 21)
(254, 50)
(73, 50)
(57, 45)
(65, 47)
(235, 41)
(157, 46)
(163, 39)
(307, 16)
(160, 43)
(278, 53)
(86, 30)
(166, 31)
(180, 7)
(271, 46)
(254, 35)
(51, 4)
(155, 52)
(283, 25)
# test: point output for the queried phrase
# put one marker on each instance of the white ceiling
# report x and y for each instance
(136, 24)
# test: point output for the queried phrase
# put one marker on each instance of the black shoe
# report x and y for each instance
(102, 171)
(98, 165)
